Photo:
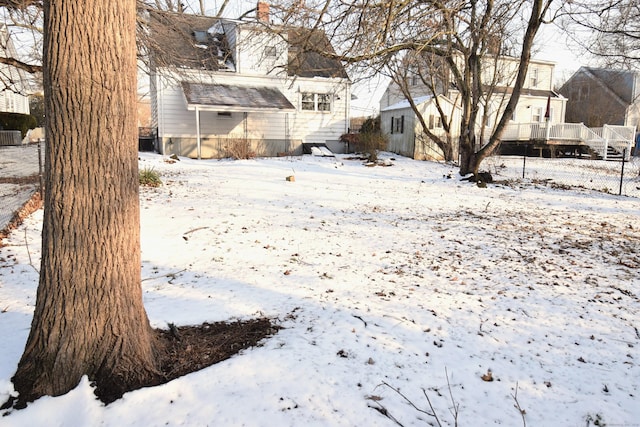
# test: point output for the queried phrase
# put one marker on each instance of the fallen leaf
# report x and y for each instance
(487, 377)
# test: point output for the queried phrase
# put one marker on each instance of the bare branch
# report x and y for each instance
(29, 68)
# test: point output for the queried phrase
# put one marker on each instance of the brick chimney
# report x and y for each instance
(263, 11)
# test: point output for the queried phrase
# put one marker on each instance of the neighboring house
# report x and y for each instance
(599, 97)
(537, 98)
(216, 82)
(14, 85)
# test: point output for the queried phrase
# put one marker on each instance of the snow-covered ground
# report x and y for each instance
(396, 286)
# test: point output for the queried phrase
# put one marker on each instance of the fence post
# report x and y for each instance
(624, 156)
(524, 159)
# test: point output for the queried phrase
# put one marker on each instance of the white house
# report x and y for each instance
(536, 97)
(218, 81)
(13, 82)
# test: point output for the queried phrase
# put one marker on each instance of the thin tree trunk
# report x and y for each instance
(538, 11)
(89, 317)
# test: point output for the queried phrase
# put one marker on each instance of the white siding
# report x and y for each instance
(13, 98)
(413, 141)
(400, 142)
(14, 102)
(176, 122)
(260, 53)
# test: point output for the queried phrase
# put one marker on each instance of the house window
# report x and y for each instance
(10, 104)
(534, 77)
(316, 102)
(583, 93)
(324, 102)
(201, 36)
(224, 113)
(414, 80)
(270, 51)
(435, 121)
(537, 114)
(397, 124)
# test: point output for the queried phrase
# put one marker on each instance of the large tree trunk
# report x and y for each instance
(89, 317)
(467, 156)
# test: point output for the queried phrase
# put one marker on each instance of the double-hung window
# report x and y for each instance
(315, 101)
(397, 124)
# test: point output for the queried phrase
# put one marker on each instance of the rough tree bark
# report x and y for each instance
(89, 317)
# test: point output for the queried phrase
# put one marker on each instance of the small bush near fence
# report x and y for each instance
(613, 177)
(368, 143)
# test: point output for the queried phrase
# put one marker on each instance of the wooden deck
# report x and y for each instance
(605, 142)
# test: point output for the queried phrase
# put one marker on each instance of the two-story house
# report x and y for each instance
(217, 81)
(538, 103)
(599, 97)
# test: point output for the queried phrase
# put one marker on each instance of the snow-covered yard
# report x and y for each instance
(396, 286)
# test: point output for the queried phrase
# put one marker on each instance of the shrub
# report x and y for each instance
(17, 121)
(149, 178)
(372, 142)
(239, 149)
(368, 143)
(371, 125)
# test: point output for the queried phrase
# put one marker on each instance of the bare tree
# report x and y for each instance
(20, 47)
(89, 317)
(608, 29)
(373, 34)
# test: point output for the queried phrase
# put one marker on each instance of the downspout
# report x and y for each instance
(347, 109)
(198, 141)
(160, 112)
(347, 116)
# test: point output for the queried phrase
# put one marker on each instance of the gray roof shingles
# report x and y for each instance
(235, 97)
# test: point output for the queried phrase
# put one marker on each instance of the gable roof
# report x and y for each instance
(186, 41)
(419, 100)
(304, 59)
(623, 86)
(405, 103)
(183, 41)
(620, 82)
(528, 92)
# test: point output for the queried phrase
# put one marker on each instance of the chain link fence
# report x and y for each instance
(621, 177)
(21, 169)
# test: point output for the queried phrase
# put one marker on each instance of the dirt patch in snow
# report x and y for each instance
(188, 349)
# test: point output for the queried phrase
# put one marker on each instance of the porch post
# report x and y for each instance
(547, 116)
(198, 141)
(548, 130)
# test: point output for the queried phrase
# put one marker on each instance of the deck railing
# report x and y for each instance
(619, 138)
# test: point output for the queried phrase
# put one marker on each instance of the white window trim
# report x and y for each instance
(316, 102)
